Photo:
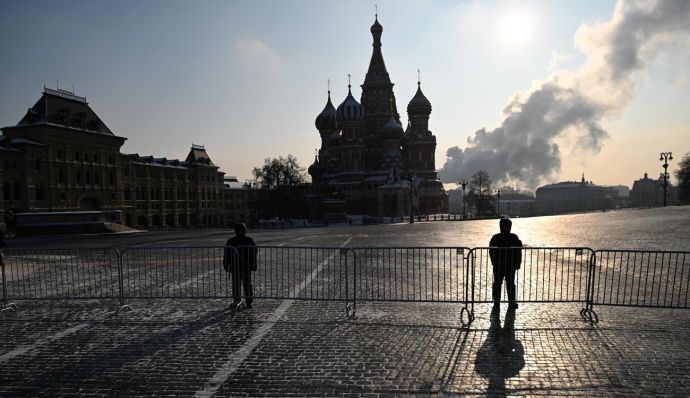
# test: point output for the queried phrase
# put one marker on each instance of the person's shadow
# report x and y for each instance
(501, 356)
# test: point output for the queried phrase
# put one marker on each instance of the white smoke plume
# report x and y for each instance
(525, 147)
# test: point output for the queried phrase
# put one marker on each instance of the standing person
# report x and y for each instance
(505, 261)
(241, 265)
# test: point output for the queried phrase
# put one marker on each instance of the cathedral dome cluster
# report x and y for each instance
(363, 143)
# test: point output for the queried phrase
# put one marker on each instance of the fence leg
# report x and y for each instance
(469, 305)
(11, 307)
(121, 284)
(351, 308)
(587, 312)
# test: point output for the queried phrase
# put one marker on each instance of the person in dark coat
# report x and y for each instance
(239, 259)
(505, 261)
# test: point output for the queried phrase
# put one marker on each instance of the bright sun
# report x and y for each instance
(516, 27)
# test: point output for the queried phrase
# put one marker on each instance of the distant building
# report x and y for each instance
(61, 160)
(161, 192)
(238, 201)
(620, 194)
(367, 160)
(647, 192)
(571, 196)
(515, 203)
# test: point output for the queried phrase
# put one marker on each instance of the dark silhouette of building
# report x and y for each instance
(647, 192)
(367, 163)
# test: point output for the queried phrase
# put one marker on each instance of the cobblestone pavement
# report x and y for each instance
(295, 348)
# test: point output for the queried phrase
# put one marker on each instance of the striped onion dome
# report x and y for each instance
(391, 129)
(419, 105)
(326, 119)
(350, 109)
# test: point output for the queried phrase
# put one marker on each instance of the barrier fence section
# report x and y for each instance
(551, 274)
(426, 274)
(302, 273)
(636, 278)
(174, 272)
(429, 274)
(30, 274)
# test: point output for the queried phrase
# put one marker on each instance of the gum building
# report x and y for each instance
(61, 164)
(368, 164)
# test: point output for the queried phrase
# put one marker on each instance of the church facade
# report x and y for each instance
(368, 164)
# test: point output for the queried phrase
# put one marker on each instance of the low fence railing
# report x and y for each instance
(404, 274)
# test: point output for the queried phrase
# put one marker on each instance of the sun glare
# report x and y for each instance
(516, 27)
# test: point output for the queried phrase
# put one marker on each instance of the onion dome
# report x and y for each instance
(419, 105)
(376, 28)
(391, 129)
(326, 119)
(350, 109)
(315, 170)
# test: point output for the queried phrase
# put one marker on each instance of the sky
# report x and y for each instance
(532, 91)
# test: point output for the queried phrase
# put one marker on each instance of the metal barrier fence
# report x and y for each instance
(174, 272)
(635, 278)
(426, 274)
(60, 274)
(549, 274)
(304, 273)
(430, 274)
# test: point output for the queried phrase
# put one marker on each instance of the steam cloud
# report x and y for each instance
(571, 104)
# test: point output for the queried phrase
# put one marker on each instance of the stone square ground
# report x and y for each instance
(300, 348)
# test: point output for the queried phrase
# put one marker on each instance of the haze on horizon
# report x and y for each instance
(506, 79)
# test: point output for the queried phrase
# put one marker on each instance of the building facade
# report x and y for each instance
(572, 196)
(61, 157)
(368, 164)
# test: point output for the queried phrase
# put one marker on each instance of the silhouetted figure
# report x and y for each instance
(501, 356)
(505, 261)
(241, 265)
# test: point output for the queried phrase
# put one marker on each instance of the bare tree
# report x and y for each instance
(279, 172)
(683, 176)
(479, 193)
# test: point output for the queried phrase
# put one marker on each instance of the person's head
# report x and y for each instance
(505, 224)
(240, 229)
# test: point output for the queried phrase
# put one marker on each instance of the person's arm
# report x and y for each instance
(518, 243)
(492, 251)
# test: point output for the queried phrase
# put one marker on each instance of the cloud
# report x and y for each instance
(256, 53)
(525, 147)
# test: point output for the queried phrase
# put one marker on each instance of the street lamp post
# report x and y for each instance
(498, 203)
(665, 157)
(463, 184)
